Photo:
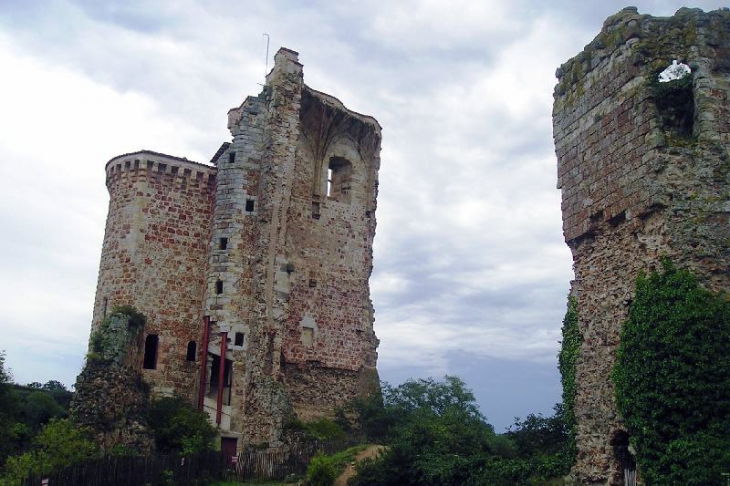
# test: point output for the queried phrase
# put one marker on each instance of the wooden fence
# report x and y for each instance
(192, 470)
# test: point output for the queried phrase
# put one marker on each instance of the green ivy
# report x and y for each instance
(136, 318)
(672, 379)
(567, 357)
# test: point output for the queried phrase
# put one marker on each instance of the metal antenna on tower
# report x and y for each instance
(266, 61)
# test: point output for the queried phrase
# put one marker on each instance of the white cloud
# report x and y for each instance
(469, 256)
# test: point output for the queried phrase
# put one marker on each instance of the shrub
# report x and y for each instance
(322, 429)
(321, 471)
(61, 443)
(178, 427)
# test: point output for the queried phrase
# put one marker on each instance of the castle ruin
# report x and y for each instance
(644, 171)
(252, 272)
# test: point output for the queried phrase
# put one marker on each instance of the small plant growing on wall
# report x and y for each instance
(111, 342)
(674, 99)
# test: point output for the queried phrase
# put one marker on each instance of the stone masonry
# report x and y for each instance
(638, 182)
(265, 256)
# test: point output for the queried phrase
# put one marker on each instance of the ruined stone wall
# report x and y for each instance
(329, 329)
(278, 262)
(299, 284)
(155, 255)
(634, 189)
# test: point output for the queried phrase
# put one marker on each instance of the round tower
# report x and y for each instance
(154, 258)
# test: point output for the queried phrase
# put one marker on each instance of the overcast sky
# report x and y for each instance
(471, 271)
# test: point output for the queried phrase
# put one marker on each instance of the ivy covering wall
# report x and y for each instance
(567, 358)
(672, 379)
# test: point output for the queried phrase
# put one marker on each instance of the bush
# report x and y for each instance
(322, 429)
(61, 443)
(672, 379)
(178, 427)
(321, 471)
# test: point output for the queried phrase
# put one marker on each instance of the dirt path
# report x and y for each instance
(370, 451)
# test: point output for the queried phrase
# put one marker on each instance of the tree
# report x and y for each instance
(9, 411)
(672, 379)
(60, 444)
(39, 408)
(436, 436)
(538, 435)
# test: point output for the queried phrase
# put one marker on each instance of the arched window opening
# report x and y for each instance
(192, 351)
(339, 179)
(150, 352)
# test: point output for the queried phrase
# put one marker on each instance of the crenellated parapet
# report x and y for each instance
(147, 166)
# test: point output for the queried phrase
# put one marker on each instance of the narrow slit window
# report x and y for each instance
(150, 352)
(239, 339)
(219, 287)
(223, 244)
(339, 179)
(192, 351)
(250, 205)
(307, 337)
(231, 157)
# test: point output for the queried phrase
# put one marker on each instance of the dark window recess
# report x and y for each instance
(227, 378)
(150, 352)
(315, 210)
(239, 339)
(223, 243)
(250, 203)
(674, 100)
(219, 287)
(231, 157)
(618, 219)
(192, 351)
(312, 283)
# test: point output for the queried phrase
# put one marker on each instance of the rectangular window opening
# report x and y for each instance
(150, 352)
(307, 336)
(250, 205)
(239, 339)
(231, 157)
(223, 244)
(219, 287)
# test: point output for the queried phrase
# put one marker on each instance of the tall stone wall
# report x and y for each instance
(292, 281)
(155, 258)
(636, 188)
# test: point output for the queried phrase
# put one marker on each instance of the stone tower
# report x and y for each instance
(253, 271)
(642, 176)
